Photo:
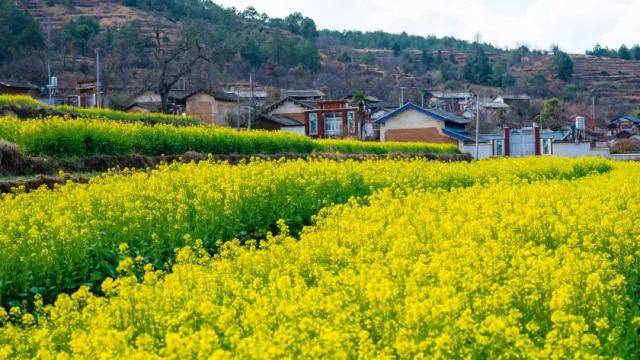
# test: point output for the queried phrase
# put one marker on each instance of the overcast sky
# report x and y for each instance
(576, 25)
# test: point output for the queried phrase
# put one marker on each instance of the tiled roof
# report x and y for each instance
(437, 114)
(19, 85)
(451, 95)
(304, 104)
(305, 93)
(516, 97)
(282, 120)
(632, 119)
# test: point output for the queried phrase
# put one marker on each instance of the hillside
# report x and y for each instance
(290, 52)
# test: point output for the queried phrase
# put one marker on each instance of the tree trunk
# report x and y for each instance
(164, 99)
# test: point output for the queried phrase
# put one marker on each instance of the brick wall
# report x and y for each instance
(431, 135)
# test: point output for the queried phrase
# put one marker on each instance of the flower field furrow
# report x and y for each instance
(55, 241)
(500, 269)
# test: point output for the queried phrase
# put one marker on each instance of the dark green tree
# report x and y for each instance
(624, 53)
(80, 33)
(20, 32)
(561, 64)
(427, 60)
(537, 84)
(308, 29)
(360, 98)
(477, 69)
(344, 57)
(252, 52)
(551, 115)
(396, 49)
(635, 52)
(369, 58)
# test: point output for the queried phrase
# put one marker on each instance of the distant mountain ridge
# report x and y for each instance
(375, 62)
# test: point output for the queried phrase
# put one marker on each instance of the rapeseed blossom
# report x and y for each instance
(506, 263)
(56, 241)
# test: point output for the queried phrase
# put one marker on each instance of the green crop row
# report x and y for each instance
(60, 137)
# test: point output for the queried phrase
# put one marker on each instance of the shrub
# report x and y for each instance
(11, 159)
(9, 101)
(626, 146)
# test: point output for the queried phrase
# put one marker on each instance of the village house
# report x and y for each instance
(290, 107)
(304, 95)
(214, 108)
(414, 123)
(87, 94)
(490, 110)
(532, 141)
(518, 100)
(19, 88)
(146, 101)
(624, 127)
(287, 114)
(281, 123)
(454, 102)
(247, 93)
(332, 119)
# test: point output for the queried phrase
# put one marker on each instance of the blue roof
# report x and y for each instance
(436, 114)
(627, 118)
(457, 135)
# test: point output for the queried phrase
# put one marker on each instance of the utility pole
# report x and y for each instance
(593, 109)
(477, 126)
(49, 86)
(423, 99)
(97, 51)
(252, 106)
(239, 110)
(402, 89)
(48, 62)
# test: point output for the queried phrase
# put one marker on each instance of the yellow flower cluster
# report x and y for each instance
(55, 241)
(498, 266)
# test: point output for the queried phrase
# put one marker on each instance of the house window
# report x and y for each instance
(546, 146)
(351, 121)
(181, 85)
(333, 124)
(313, 124)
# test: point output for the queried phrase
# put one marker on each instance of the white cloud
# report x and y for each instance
(575, 25)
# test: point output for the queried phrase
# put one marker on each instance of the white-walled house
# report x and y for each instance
(416, 124)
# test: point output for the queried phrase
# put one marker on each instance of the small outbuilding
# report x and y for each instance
(213, 108)
(201, 104)
(19, 88)
(280, 122)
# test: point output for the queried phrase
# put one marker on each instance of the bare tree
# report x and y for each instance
(176, 59)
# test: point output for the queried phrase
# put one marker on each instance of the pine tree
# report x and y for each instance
(477, 69)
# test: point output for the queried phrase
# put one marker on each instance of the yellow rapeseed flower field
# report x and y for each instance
(527, 258)
(55, 241)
